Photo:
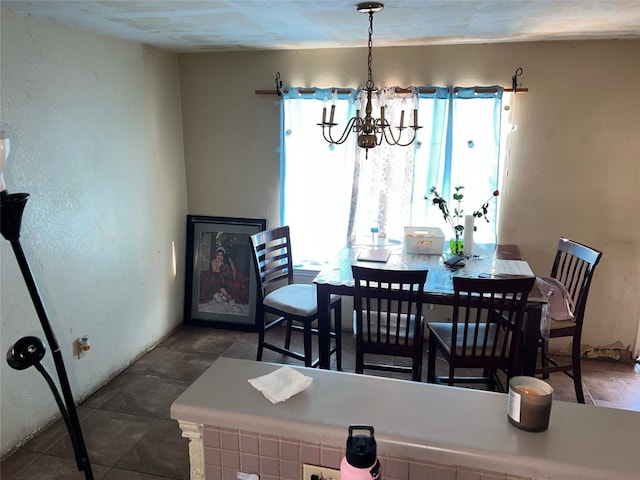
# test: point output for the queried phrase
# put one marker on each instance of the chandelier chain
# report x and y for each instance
(370, 85)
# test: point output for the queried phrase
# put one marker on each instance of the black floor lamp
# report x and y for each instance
(28, 351)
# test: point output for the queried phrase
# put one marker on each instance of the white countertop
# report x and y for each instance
(439, 424)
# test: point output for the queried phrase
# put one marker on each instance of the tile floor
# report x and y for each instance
(129, 434)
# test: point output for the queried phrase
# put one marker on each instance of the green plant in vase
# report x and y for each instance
(455, 220)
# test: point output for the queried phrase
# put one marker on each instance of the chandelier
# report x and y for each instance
(371, 131)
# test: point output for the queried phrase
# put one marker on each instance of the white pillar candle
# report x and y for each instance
(468, 235)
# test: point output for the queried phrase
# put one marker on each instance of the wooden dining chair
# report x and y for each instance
(293, 304)
(389, 321)
(484, 333)
(573, 266)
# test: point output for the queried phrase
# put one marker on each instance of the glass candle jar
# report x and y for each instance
(529, 405)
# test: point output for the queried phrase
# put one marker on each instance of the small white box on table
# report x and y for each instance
(424, 240)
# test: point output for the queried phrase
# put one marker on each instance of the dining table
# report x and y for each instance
(491, 261)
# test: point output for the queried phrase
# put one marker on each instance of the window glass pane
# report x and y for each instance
(332, 194)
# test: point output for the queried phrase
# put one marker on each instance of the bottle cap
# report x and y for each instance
(361, 449)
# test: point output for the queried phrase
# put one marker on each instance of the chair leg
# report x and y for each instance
(359, 358)
(287, 335)
(577, 372)
(416, 368)
(418, 352)
(338, 333)
(452, 374)
(544, 356)
(431, 360)
(489, 375)
(307, 344)
(260, 342)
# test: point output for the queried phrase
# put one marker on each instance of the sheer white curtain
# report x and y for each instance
(383, 183)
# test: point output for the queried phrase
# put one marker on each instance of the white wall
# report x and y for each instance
(573, 167)
(96, 139)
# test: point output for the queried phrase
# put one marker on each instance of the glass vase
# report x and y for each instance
(456, 246)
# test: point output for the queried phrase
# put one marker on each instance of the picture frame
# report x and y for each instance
(220, 280)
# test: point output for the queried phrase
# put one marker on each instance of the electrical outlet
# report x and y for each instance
(81, 346)
(314, 472)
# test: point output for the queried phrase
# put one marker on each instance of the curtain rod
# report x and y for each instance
(310, 91)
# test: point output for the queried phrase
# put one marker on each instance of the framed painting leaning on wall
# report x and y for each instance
(221, 286)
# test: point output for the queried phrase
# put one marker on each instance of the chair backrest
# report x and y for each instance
(574, 266)
(396, 293)
(487, 319)
(272, 258)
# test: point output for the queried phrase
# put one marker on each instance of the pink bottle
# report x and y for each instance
(361, 461)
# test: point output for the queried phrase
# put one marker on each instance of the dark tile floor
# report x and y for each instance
(130, 436)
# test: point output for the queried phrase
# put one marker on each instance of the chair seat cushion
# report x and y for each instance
(296, 299)
(555, 324)
(393, 330)
(444, 333)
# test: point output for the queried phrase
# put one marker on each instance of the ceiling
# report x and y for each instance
(214, 25)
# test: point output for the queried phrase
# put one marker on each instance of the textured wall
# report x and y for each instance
(96, 139)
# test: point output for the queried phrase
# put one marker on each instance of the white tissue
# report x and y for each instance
(281, 384)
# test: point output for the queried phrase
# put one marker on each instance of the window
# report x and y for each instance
(332, 194)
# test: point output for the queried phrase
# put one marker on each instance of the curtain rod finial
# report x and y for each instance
(514, 79)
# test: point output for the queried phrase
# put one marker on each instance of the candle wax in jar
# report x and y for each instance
(527, 390)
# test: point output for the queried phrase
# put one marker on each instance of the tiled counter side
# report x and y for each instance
(423, 431)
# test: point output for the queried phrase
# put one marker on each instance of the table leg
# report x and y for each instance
(324, 326)
(530, 339)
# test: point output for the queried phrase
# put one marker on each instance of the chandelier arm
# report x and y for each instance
(413, 138)
(326, 132)
(388, 132)
(350, 127)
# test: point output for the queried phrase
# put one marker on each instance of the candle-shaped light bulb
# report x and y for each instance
(382, 100)
(404, 107)
(334, 96)
(325, 102)
(5, 147)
